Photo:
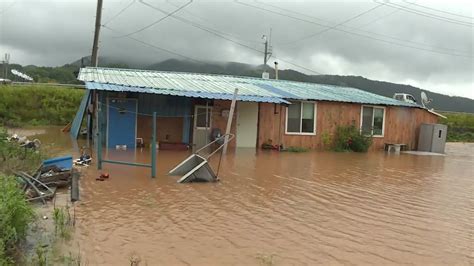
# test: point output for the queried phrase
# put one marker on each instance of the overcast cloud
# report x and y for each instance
(57, 32)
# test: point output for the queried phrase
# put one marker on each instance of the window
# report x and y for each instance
(301, 118)
(411, 99)
(372, 121)
(201, 121)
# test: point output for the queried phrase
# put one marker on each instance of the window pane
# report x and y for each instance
(378, 121)
(367, 115)
(294, 117)
(201, 117)
(308, 118)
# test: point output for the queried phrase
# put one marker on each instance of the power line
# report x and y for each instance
(354, 33)
(428, 15)
(337, 25)
(218, 34)
(154, 46)
(465, 53)
(186, 11)
(157, 21)
(438, 10)
(120, 12)
(378, 18)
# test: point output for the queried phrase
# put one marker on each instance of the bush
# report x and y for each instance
(15, 216)
(460, 127)
(38, 105)
(349, 138)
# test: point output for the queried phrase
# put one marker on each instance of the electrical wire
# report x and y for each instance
(461, 52)
(120, 12)
(209, 22)
(355, 33)
(438, 10)
(337, 25)
(218, 34)
(428, 15)
(154, 46)
(157, 21)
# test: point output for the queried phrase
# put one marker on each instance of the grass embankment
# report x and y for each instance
(35, 105)
(460, 127)
(15, 212)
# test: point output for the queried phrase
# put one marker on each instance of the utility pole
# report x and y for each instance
(268, 48)
(5, 66)
(95, 46)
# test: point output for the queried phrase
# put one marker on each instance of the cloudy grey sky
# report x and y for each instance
(428, 44)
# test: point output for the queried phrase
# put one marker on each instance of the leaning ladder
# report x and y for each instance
(196, 167)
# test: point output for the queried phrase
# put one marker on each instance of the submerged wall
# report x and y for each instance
(401, 124)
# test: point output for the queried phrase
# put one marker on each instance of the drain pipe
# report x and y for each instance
(276, 70)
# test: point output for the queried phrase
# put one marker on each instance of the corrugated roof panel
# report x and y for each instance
(195, 94)
(187, 84)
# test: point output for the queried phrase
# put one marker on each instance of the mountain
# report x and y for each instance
(67, 73)
(440, 101)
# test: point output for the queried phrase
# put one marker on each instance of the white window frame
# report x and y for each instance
(209, 108)
(373, 110)
(315, 106)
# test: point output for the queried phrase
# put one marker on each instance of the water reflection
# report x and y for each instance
(304, 208)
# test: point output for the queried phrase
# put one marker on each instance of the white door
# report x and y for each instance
(202, 126)
(247, 119)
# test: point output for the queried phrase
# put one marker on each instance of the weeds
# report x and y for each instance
(62, 222)
(266, 260)
(296, 149)
(41, 256)
(134, 260)
(15, 216)
(71, 259)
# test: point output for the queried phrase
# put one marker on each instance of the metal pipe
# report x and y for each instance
(126, 163)
(153, 147)
(276, 70)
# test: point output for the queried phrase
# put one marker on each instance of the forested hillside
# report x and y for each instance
(68, 73)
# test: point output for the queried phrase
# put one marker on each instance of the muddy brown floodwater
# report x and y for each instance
(282, 209)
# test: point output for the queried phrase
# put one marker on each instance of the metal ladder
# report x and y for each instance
(196, 167)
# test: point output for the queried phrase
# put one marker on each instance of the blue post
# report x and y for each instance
(99, 138)
(153, 147)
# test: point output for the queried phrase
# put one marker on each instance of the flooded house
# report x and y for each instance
(193, 108)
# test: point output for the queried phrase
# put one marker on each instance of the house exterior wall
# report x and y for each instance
(219, 121)
(401, 124)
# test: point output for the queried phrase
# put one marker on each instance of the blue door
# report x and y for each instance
(122, 121)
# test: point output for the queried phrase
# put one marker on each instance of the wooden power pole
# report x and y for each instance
(95, 46)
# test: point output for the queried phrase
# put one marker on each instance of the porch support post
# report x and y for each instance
(229, 120)
(99, 137)
(153, 147)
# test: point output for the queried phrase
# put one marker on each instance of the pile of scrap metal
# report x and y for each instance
(25, 142)
(53, 174)
(35, 189)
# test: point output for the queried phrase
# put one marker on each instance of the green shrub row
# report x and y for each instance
(38, 105)
(349, 138)
(460, 127)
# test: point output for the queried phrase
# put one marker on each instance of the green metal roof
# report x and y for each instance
(209, 84)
